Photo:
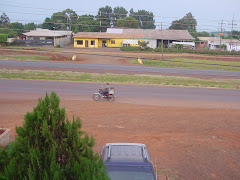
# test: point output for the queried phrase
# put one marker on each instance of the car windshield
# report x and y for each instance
(130, 172)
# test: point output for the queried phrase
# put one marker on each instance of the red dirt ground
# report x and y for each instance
(185, 142)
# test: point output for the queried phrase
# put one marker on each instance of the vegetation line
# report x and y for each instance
(138, 79)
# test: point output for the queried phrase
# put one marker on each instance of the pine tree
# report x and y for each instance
(49, 146)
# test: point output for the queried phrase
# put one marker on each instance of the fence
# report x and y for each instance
(19, 42)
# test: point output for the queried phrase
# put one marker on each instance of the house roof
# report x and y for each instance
(104, 35)
(231, 40)
(209, 38)
(47, 33)
(157, 33)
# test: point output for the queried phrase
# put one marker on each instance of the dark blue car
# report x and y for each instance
(128, 161)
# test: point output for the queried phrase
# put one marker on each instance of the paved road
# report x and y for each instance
(80, 67)
(144, 95)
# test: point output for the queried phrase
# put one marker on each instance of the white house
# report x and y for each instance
(232, 44)
(214, 43)
(156, 36)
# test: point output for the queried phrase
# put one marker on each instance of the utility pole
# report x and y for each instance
(232, 24)
(100, 21)
(162, 40)
(221, 33)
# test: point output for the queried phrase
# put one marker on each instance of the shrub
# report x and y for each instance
(49, 146)
(3, 38)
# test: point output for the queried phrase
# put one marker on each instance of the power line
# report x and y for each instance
(112, 13)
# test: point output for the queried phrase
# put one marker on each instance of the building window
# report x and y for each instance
(92, 43)
(112, 42)
(79, 42)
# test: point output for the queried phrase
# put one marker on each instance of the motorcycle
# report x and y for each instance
(108, 96)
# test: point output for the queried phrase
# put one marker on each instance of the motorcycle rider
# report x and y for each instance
(106, 90)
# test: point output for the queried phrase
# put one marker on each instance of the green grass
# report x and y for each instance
(24, 57)
(24, 47)
(120, 78)
(191, 64)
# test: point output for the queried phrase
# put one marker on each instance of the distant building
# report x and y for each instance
(214, 43)
(129, 37)
(102, 39)
(46, 37)
(44, 34)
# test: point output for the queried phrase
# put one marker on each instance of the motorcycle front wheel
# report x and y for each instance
(96, 97)
(111, 97)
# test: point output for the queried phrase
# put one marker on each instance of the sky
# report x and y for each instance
(208, 13)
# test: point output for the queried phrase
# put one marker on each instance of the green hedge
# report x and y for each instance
(3, 37)
(174, 50)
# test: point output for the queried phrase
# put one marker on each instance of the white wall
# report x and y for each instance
(63, 41)
(152, 43)
(233, 47)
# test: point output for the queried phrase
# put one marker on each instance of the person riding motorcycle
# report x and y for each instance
(106, 90)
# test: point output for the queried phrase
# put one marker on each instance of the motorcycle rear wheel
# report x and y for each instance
(96, 97)
(111, 97)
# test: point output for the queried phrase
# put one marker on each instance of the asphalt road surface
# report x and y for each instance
(135, 94)
(107, 68)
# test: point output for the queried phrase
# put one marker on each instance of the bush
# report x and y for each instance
(3, 38)
(49, 146)
(57, 46)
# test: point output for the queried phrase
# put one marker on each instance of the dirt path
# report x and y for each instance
(185, 142)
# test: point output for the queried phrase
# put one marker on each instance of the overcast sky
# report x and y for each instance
(208, 13)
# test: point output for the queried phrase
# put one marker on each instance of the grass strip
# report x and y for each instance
(24, 47)
(24, 57)
(138, 79)
(191, 64)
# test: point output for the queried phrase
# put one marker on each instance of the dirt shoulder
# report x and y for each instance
(184, 142)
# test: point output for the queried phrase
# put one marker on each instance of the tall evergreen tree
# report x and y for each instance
(4, 19)
(49, 146)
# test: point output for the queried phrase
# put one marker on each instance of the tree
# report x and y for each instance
(234, 35)
(49, 146)
(72, 18)
(87, 23)
(30, 26)
(128, 22)
(203, 34)
(145, 18)
(16, 26)
(118, 13)
(105, 15)
(61, 20)
(48, 24)
(143, 44)
(4, 19)
(188, 22)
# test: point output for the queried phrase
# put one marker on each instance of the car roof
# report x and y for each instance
(127, 152)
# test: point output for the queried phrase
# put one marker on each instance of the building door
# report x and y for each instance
(104, 44)
(86, 43)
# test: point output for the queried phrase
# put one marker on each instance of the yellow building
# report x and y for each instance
(102, 39)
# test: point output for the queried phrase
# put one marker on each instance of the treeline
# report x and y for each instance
(69, 20)
(107, 17)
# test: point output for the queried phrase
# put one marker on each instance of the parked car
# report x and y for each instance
(128, 161)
